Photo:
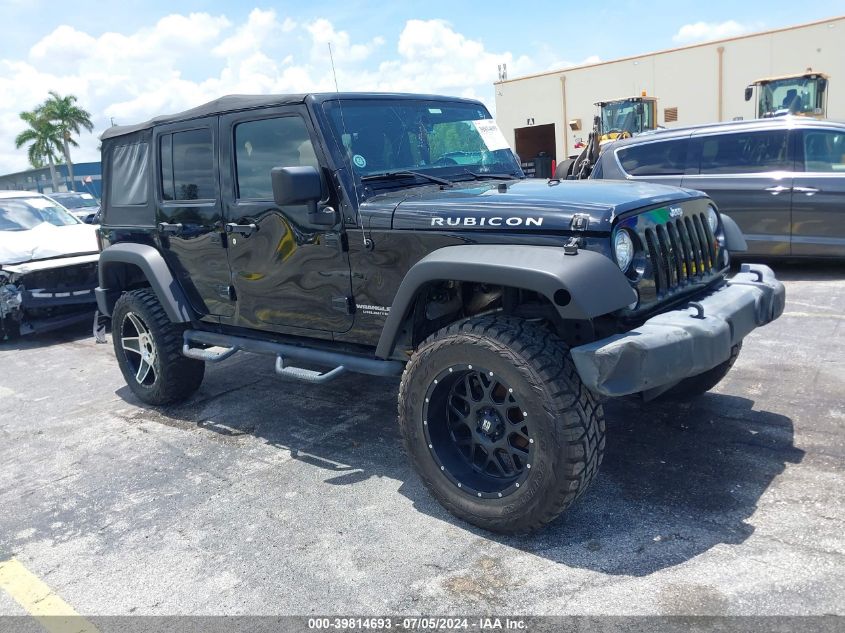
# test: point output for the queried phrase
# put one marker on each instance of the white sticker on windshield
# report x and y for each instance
(435, 111)
(40, 203)
(359, 161)
(86, 196)
(491, 134)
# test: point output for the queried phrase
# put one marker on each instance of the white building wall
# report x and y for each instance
(687, 78)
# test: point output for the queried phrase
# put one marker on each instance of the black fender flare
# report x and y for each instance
(580, 286)
(152, 265)
(734, 239)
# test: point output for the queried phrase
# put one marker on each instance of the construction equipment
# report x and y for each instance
(616, 119)
(622, 118)
(804, 94)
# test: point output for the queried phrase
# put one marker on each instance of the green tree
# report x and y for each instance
(68, 119)
(44, 141)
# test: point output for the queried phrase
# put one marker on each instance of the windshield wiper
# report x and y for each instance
(392, 175)
(478, 176)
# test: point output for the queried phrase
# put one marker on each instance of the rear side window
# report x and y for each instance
(267, 143)
(128, 184)
(744, 153)
(187, 165)
(824, 151)
(664, 158)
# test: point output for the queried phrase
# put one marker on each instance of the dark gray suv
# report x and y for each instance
(781, 179)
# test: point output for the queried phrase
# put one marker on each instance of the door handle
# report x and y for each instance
(777, 190)
(809, 191)
(173, 229)
(243, 229)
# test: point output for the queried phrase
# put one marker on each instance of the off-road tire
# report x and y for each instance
(564, 169)
(568, 428)
(176, 377)
(700, 384)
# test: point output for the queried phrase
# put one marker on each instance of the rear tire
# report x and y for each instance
(498, 424)
(700, 384)
(148, 347)
(564, 169)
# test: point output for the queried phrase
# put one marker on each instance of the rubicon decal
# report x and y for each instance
(485, 221)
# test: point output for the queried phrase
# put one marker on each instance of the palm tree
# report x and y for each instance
(45, 140)
(68, 119)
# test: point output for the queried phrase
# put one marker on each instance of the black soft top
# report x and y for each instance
(233, 103)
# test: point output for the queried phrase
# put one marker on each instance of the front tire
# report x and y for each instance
(148, 347)
(700, 384)
(498, 424)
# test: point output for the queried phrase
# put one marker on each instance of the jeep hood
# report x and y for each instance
(533, 204)
(47, 241)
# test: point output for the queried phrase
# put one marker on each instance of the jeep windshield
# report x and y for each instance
(453, 141)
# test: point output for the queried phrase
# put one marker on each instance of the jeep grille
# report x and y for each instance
(682, 250)
(677, 254)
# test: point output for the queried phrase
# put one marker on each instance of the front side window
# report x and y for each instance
(436, 137)
(267, 143)
(824, 151)
(664, 158)
(744, 153)
(187, 165)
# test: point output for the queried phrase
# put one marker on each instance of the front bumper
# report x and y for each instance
(680, 343)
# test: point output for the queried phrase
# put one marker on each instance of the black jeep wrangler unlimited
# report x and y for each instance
(396, 234)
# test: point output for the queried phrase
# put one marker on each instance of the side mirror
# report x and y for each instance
(300, 185)
(749, 92)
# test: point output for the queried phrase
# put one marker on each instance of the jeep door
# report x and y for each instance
(286, 272)
(818, 193)
(188, 213)
(749, 176)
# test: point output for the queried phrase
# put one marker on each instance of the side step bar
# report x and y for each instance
(338, 361)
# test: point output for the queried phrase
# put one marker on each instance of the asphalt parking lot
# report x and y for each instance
(266, 496)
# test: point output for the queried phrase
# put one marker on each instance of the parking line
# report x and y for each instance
(41, 602)
(815, 315)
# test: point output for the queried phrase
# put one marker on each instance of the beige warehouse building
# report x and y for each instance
(702, 83)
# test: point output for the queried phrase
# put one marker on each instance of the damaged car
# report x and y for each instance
(83, 206)
(48, 265)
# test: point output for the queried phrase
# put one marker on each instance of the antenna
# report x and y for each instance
(334, 74)
(368, 243)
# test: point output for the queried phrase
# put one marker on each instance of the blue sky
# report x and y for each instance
(133, 60)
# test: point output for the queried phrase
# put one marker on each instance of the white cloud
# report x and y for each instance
(184, 60)
(250, 37)
(706, 31)
(436, 58)
(323, 32)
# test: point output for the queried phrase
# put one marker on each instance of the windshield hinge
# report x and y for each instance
(580, 222)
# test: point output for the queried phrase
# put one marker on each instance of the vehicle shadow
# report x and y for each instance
(677, 479)
(67, 334)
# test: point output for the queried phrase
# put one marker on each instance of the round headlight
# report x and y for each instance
(623, 249)
(712, 218)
